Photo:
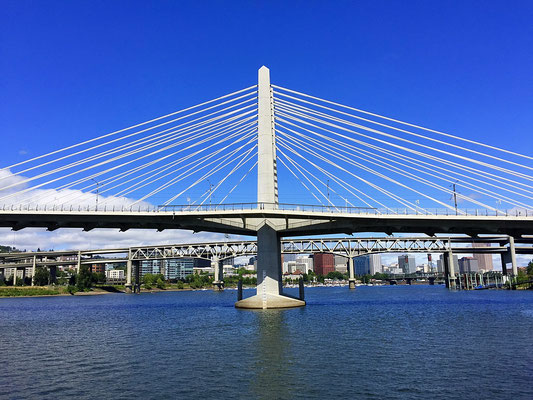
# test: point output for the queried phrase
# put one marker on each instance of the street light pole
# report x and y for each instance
(96, 208)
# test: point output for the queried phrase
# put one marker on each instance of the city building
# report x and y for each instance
(300, 264)
(341, 264)
(407, 264)
(288, 257)
(172, 268)
(323, 263)
(307, 261)
(440, 264)
(98, 268)
(484, 260)
(367, 264)
(115, 274)
(468, 265)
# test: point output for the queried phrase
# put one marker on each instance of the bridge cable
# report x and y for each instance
(401, 122)
(134, 126)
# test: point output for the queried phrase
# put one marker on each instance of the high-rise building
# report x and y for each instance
(288, 257)
(341, 264)
(367, 264)
(484, 260)
(323, 263)
(468, 265)
(407, 264)
(172, 268)
(307, 261)
(440, 264)
(150, 267)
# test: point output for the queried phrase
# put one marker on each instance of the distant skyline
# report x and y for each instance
(70, 71)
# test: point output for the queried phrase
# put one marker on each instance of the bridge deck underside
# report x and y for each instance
(246, 222)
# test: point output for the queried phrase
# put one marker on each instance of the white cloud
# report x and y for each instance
(15, 191)
(68, 238)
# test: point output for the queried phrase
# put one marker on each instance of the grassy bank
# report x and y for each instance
(15, 291)
(27, 291)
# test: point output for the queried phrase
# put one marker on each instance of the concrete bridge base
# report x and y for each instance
(218, 286)
(351, 283)
(269, 300)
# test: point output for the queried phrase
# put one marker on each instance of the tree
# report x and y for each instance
(180, 285)
(160, 283)
(335, 275)
(148, 280)
(99, 277)
(41, 277)
(84, 279)
(530, 268)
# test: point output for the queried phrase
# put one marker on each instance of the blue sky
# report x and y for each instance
(70, 71)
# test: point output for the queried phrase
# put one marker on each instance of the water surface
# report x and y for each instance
(394, 342)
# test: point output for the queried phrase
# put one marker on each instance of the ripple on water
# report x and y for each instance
(399, 342)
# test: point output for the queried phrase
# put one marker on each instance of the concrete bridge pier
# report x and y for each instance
(218, 283)
(137, 268)
(269, 277)
(449, 270)
(33, 267)
(128, 287)
(53, 274)
(351, 273)
(505, 259)
(512, 255)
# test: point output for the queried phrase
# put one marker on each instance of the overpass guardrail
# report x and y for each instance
(328, 209)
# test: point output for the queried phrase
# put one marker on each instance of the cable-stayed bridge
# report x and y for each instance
(222, 166)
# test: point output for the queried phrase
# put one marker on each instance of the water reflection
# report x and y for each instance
(274, 358)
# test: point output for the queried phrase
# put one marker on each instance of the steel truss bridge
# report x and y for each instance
(347, 247)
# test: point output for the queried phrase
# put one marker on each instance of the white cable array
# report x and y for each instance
(135, 126)
(210, 133)
(335, 151)
(468, 169)
(448, 178)
(151, 178)
(328, 161)
(281, 112)
(393, 120)
(243, 160)
(296, 176)
(239, 182)
(309, 116)
(208, 174)
(127, 154)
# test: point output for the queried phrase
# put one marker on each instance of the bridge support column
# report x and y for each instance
(128, 273)
(33, 267)
(269, 277)
(512, 253)
(15, 276)
(218, 283)
(53, 274)
(137, 268)
(78, 265)
(351, 273)
(449, 270)
(504, 257)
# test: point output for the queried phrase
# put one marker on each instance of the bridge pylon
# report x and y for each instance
(269, 275)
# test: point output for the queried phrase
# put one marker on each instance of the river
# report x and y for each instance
(389, 342)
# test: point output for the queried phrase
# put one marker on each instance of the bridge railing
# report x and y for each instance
(515, 212)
